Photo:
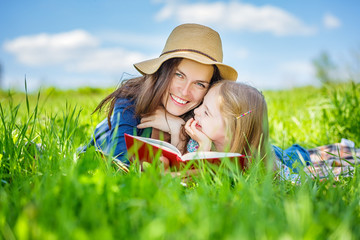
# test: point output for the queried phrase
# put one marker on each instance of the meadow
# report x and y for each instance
(51, 193)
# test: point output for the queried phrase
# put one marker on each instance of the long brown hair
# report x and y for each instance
(147, 91)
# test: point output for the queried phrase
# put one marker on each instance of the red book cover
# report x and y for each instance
(146, 149)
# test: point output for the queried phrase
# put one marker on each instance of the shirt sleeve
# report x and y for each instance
(123, 121)
(112, 141)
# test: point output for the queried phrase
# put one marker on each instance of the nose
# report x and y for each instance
(197, 110)
(186, 89)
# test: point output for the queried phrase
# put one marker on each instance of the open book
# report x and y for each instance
(146, 149)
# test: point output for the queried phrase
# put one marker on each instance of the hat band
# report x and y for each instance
(188, 50)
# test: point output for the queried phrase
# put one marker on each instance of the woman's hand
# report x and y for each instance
(162, 120)
(165, 122)
(185, 176)
(203, 140)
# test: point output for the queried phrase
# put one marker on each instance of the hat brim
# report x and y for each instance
(152, 65)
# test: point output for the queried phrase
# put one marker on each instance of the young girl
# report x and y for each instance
(232, 118)
(176, 81)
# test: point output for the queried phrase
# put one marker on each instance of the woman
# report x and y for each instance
(176, 81)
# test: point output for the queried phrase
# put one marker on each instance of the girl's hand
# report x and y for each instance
(196, 134)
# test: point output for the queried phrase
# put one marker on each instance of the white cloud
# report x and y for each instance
(50, 49)
(237, 16)
(75, 51)
(106, 60)
(330, 21)
(165, 13)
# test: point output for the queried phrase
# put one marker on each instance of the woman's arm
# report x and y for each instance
(111, 141)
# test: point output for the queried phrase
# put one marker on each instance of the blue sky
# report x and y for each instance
(71, 44)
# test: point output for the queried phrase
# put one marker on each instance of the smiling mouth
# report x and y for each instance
(178, 100)
(198, 126)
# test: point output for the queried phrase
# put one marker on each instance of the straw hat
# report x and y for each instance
(195, 42)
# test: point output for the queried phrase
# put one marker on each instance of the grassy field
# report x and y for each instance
(53, 194)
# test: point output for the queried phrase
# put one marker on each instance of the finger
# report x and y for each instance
(175, 174)
(165, 162)
(188, 123)
(189, 131)
(159, 113)
(144, 125)
(193, 124)
(147, 119)
(194, 129)
(193, 172)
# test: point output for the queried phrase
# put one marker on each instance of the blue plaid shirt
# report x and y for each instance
(112, 141)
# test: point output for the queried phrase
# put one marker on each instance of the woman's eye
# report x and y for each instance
(201, 85)
(206, 113)
(179, 75)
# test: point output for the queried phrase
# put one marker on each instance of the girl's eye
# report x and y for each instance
(206, 113)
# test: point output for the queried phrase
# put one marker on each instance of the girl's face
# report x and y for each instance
(187, 87)
(209, 119)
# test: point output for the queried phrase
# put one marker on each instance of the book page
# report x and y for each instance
(208, 155)
(161, 144)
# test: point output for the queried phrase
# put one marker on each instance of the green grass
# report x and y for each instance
(52, 194)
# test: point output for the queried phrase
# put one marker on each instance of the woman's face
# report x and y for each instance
(210, 120)
(188, 86)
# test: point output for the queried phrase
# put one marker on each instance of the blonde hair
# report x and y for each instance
(248, 133)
